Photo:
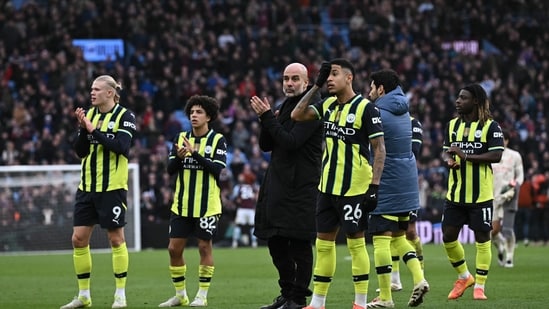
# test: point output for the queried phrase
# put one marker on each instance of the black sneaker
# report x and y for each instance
(292, 305)
(278, 303)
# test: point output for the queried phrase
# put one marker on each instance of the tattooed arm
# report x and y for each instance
(303, 111)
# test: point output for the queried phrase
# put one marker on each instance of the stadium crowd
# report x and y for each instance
(235, 49)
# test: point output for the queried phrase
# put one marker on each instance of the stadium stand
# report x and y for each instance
(232, 49)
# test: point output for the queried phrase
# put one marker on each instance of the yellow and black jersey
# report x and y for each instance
(473, 182)
(197, 192)
(104, 152)
(348, 128)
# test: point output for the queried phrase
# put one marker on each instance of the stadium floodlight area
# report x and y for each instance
(36, 209)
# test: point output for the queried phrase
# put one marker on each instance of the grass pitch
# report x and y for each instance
(245, 278)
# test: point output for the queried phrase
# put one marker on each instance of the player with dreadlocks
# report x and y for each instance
(472, 142)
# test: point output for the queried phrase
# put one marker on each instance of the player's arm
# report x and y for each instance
(417, 137)
(374, 127)
(378, 146)
(218, 163)
(82, 144)
(495, 147)
(174, 162)
(290, 140)
(519, 170)
(122, 140)
(448, 157)
(303, 111)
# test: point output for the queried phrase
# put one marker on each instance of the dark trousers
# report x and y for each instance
(293, 258)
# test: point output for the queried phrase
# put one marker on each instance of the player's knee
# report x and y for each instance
(78, 241)
(175, 250)
(116, 237)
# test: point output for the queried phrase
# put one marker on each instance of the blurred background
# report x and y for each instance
(164, 51)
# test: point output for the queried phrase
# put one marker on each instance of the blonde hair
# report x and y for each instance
(109, 80)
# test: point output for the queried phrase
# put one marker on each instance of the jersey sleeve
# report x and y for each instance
(495, 137)
(446, 143)
(319, 108)
(372, 121)
(220, 156)
(174, 163)
(122, 141)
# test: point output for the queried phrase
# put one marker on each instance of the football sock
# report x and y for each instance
(382, 260)
(325, 266)
(205, 274)
(83, 267)
(456, 256)
(483, 259)
(409, 257)
(178, 279)
(120, 262)
(360, 263)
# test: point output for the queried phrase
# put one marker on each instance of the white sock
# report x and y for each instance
(395, 277)
(182, 293)
(465, 275)
(84, 293)
(237, 233)
(318, 301)
(120, 292)
(361, 299)
(202, 293)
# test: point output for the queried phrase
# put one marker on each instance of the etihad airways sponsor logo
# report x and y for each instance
(332, 129)
(468, 145)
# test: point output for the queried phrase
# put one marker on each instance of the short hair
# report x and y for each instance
(209, 105)
(386, 78)
(344, 63)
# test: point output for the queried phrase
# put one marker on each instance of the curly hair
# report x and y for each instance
(209, 105)
(483, 106)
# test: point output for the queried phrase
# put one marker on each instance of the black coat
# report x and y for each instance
(287, 198)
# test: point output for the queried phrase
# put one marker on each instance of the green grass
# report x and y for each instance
(245, 278)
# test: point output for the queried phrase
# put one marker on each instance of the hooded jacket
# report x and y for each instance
(287, 198)
(398, 189)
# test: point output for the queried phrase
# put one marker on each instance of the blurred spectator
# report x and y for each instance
(524, 212)
(234, 49)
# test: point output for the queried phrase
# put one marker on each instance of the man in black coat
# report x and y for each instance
(285, 212)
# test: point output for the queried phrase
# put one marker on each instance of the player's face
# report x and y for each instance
(374, 92)
(101, 93)
(465, 104)
(339, 79)
(294, 81)
(198, 116)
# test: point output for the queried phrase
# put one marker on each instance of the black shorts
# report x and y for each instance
(477, 216)
(106, 208)
(203, 228)
(345, 211)
(391, 222)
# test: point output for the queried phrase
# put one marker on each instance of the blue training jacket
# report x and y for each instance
(398, 189)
